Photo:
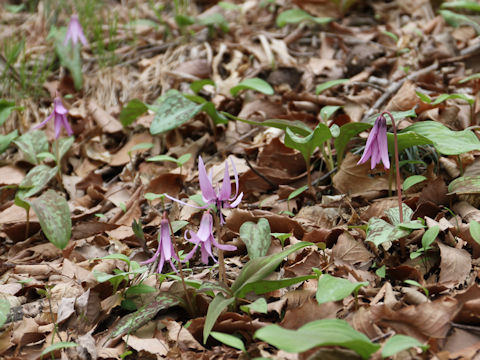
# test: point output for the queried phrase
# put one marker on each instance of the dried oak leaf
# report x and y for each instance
(455, 265)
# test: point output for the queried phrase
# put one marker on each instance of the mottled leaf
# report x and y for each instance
(31, 144)
(256, 237)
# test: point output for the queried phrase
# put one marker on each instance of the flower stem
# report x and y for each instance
(397, 166)
(222, 276)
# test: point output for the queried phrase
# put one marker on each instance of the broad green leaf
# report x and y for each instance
(256, 237)
(198, 85)
(462, 5)
(443, 97)
(140, 289)
(132, 111)
(297, 192)
(471, 77)
(121, 257)
(306, 145)
(457, 20)
(406, 140)
(379, 231)
(174, 110)
(229, 6)
(394, 215)
(258, 306)
(230, 340)
(216, 19)
(54, 216)
(6, 108)
(327, 332)
(216, 307)
(46, 155)
(411, 225)
(327, 85)
(412, 180)
(5, 140)
(256, 84)
(417, 284)
(217, 117)
(259, 268)
(64, 144)
(429, 236)
(58, 346)
(4, 311)
(331, 288)
(475, 230)
(131, 322)
(152, 196)
(177, 225)
(31, 144)
(295, 16)
(446, 141)
(35, 180)
(263, 286)
(157, 158)
(397, 115)
(399, 343)
(424, 97)
(141, 146)
(347, 131)
(184, 20)
(465, 185)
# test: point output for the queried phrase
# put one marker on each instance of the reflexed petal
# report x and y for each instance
(184, 203)
(191, 253)
(223, 246)
(165, 239)
(237, 201)
(208, 193)
(235, 174)
(66, 125)
(206, 225)
(44, 122)
(226, 189)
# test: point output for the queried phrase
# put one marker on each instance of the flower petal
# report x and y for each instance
(226, 189)
(208, 193)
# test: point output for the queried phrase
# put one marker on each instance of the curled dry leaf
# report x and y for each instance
(455, 265)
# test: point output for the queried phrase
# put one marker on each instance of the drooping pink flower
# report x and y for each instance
(75, 32)
(221, 198)
(205, 239)
(60, 114)
(376, 148)
(165, 248)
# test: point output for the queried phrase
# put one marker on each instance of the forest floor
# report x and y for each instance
(284, 93)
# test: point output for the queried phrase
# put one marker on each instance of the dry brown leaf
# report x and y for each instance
(349, 250)
(455, 265)
(108, 123)
(121, 157)
(310, 310)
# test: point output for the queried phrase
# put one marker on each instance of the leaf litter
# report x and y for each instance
(226, 81)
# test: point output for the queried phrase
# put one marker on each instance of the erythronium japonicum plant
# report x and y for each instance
(60, 117)
(376, 149)
(75, 32)
(222, 199)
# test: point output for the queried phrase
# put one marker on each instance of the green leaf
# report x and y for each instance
(296, 126)
(214, 19)
(332, 288)
(475, 231)
(132, 111)
(256, 84)
(174, 110)
(5, 140)
(394, 215)
(64, 144)
(399, 343)
(457, 20)
(465, 185)
(412, 180)
(443, 97)
(446, 141)
(259, 268)
(306, 145)
(152, 196)
(256, 237)
(429, 236)
(327, 332)
(35, 180)
(198, 85)
(347, 131)
(229, 6)
(417, 284)
(139, 289)
(379, 231)
(121, 257)
(141, 146)
(230, 340)
(177, 225)
(58, 346)
(54, 216)
(397, 115)
(462, 5)
(258, 306)
(31, 144)
(180, 161)
(295, 16)
(297, 192)
(69, 56)
(131, 322)
(216, 307)
(328, 84)
(405, 140)
(6, 108)
(263, 286)
(4, 311)
(471, 77)
(424, 97)
(217, 117)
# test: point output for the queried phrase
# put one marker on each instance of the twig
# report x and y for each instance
(259, 174)
(393, 88)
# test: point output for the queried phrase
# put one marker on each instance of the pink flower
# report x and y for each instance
(222, 198)
(205, 239)
(165, 247)
(60, 114)
(75, 32)
(377, 147)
